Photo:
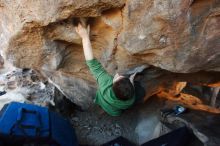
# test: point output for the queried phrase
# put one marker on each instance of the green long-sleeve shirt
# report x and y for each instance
(105, 96)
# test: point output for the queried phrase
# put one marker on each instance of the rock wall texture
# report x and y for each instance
(181, 36)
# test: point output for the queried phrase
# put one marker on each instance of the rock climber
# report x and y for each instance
(114, 94)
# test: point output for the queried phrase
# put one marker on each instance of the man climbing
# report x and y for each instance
(114, 94)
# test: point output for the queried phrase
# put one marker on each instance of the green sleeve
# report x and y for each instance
(99, 72)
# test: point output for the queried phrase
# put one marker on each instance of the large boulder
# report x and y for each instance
(180, 36)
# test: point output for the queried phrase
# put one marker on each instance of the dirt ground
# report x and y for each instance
(138, 124)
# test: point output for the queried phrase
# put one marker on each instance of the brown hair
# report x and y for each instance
(123, 89)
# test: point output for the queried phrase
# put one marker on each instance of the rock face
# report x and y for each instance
(181, 36)
(173, 34)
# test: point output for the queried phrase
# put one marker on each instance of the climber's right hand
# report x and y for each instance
(82, 31)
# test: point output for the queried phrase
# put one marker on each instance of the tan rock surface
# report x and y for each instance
(180, 36)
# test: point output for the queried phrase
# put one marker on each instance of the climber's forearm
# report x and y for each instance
(83, 32)
(87, 48)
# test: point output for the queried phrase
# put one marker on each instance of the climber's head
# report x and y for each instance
(123, 87)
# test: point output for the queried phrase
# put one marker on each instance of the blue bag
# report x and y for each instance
(30, 124)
